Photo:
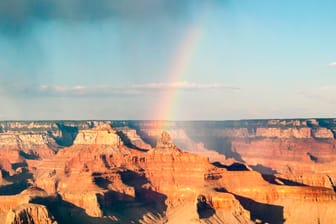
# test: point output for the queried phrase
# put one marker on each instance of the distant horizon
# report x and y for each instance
(257, 119)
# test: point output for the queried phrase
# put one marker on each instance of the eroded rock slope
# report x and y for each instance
(269, 171)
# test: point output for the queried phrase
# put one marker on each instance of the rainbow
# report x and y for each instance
(168, 100)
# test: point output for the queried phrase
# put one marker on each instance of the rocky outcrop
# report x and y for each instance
(165, 168)
(8, 202)
(132, 138)
(283, 132)
(86, 200)
(41, 126)
(291, 128)
(228, 208)
(102, 135)
(20, 139)
(30, 214)
(38, 145)
(93, 161)
(309, 179)
(322, 133)
(282, 155)
(165, 145)
(96, 173)
(273, 201)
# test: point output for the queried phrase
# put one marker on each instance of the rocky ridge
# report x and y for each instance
(117, 172)
(29, 214)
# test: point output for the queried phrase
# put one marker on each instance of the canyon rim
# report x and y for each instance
(247, 171)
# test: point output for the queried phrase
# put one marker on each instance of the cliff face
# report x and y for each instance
(266, 171)
(40, 126)
(103, 135)
(131, 138)
(29, 144)
(165, 168)
(30, 214)
(283, 133)
(268, 146)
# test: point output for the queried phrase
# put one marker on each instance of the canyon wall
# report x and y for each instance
(257, 171)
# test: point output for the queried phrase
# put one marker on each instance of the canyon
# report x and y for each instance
(247, 171)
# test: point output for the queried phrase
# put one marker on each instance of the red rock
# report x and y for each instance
(284, 132)
(99, 171)
(30, 214)
(135, 139)
(323, 133)
(103, 135)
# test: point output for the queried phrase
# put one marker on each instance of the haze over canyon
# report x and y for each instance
(247, 171)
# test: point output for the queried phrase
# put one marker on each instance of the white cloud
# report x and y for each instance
(332, 64)
(110, 90)
(57, 90)
(182, 85)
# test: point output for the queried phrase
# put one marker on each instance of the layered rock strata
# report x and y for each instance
(268, 171)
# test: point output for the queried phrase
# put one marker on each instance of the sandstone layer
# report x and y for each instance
(262, 171)
(29, 214)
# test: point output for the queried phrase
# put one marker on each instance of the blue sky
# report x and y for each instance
(111, 59)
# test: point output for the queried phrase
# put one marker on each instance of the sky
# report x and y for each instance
(167, 59)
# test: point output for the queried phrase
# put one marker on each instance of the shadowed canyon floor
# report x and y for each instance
(253, 171)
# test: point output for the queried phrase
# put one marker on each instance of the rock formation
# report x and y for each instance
(262, 171)
(103, 135)
(30, 214)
